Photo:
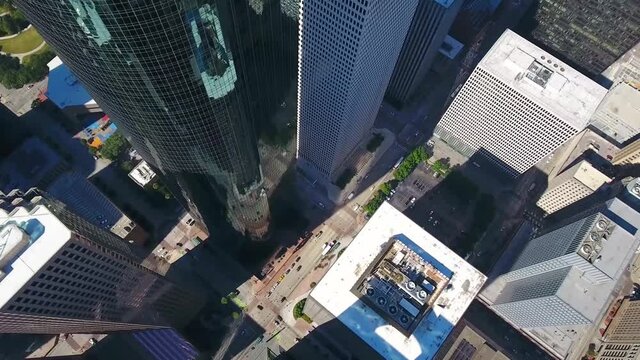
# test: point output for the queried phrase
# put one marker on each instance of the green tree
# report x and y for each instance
(412, 160)
(127, 166)
(114, 146)
(375, 142)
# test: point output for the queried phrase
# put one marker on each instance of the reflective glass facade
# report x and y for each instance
(188, 81)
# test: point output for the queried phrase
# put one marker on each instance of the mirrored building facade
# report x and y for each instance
(188, 81)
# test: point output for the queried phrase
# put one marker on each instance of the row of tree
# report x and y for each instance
(12, 23)
(15, 75)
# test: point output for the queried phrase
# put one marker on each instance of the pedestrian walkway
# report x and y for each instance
(21, 56)
(13, 35)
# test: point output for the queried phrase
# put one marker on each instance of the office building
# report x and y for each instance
(619, 352)
(347, 52)
(618, 115)
(397, 288)
(61, 274)
(571, 185)
(187, 82)
(562, 283)
(429, 27)
(34, 164)
(472, 17)
(518, 105)
(626, 68)
(628, 155)
(464, 343)
(589, 35)
(154, 344)
(624, 328)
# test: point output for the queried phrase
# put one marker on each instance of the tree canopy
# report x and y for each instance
(14, 75)
(114, 146)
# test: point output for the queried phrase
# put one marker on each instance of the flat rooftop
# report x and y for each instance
(142, 174)
(32, 237)
(389, 229)
(63, 88)
(618, 115)
(538, 75)
(450, 47)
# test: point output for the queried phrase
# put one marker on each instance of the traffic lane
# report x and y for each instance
(382, 170)
(282, 286)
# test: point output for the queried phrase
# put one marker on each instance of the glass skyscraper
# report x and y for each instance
(188, 82)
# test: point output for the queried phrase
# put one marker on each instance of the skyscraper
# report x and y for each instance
(346, 55)
(187, 82)
(628, 155)
(589, 35)
(573, 184)
(429, 26)
(518, 105)
(564, 280)
(61, 274)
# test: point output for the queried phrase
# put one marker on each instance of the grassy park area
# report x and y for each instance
(25, 42)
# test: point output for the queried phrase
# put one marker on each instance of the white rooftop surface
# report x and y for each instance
(142, 173)
(333, 291)
(590, 176)
(37, 254)
(568, 94)
(619, 113)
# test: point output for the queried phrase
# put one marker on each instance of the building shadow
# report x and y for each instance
(333, 339)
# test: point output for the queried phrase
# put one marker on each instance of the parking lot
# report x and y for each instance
(435, 209)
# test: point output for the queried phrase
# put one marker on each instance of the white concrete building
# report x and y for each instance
(411, 318)
(347, 52)
(142, 174)
(618, 115)
(518, 105)
(60, 274)
(563, 282)
(570, 186)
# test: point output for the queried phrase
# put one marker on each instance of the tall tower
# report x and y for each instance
(61, 274)
(566, 276)
(430, 25)
(346, 55)
(518, 105)
(187, 81)
(573, 184)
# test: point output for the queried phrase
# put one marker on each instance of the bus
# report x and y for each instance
(398, 162)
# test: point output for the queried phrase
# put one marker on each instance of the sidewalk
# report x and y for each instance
(16, 34)
(363, 161)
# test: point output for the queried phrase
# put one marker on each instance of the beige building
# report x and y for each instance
(465, 343)
(618, 115)
(619, 352)
(622, 338)
(625, 326)
(570, 186)
(629, 154)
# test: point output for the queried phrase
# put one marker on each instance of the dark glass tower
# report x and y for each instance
(188, 82)
(589, 35)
